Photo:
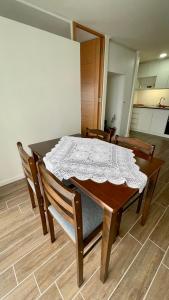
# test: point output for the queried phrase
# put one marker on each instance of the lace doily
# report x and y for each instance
(94, 159)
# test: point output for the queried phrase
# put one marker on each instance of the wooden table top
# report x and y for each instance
(106, 194)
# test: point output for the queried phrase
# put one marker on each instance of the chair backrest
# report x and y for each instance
(65, 201)
(98, 134)
(29, 168)
(139, 147)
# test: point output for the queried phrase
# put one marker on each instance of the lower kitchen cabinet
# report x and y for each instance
(159, 121)
(149, 120)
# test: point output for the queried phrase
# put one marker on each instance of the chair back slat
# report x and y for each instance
(25, 161)
(23, 154)
(139, 147)
(57, 198)
(63, 212)
(27, 172)
(27, 169)
(58, 195)
(98, 134)
(56, 184)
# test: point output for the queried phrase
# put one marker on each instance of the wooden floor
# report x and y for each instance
(33, 268)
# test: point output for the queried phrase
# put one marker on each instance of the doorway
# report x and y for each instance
(115, 100)
(92, 64)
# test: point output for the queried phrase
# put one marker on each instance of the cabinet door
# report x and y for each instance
(145, 117)
(135, 119)
(163, 74)
(159, 121)
(148, 69)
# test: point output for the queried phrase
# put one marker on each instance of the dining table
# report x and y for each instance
(111, 197)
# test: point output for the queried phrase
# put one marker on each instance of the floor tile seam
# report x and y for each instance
(82, 295)
(157, 245)
(20, 240)
(50, 257)
(10, 292)
(37, 284)
(31, 274)
(165, 265)
(11, 200)
(128, 232)
(134, 257)
(59, 290)
(135, 239)
(11, 208)
(33, 248)
(148, 289)
(42, 293)
(85, 283)
(93, 250)
(17, 283)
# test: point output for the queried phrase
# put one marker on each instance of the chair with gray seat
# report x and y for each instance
(31, 176)
(79, 216)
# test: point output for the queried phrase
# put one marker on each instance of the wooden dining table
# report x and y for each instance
(110, 197)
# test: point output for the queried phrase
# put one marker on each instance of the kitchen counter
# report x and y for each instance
(150, 106)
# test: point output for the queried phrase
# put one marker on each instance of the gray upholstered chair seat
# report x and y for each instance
(92, 216)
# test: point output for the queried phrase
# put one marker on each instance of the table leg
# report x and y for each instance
(110, 228)
(148, 195)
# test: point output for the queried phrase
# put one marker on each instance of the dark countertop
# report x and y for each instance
(154, 107)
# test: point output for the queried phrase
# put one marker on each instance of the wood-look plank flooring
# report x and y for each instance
(33, 268)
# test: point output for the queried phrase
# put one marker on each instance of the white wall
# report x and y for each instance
(115, 96)
(123, 61)
(40, 90)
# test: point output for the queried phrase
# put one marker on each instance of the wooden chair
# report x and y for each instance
(98, 134)
(31, 175)
(139, 147)
(79, 216)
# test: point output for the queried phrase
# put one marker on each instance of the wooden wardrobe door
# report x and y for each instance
(90, 78)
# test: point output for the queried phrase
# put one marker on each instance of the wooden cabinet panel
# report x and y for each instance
(90, 79)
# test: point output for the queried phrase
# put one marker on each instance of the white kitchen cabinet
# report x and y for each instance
(158, 68)
(148, 69)
(145, 117)
(149, 120)
(158, 122)
(141, 119)
(163, 74)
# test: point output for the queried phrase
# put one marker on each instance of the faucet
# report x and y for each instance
(162, 98)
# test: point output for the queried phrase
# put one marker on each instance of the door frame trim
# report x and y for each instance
(87, 29)
(76, 26)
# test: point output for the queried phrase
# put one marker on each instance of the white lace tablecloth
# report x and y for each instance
(94, 159)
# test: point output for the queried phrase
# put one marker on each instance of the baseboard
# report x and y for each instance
(10, 180)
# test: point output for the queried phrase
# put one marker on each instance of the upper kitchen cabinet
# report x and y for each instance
(154, 74)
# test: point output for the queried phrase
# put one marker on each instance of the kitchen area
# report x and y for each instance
(151, 98)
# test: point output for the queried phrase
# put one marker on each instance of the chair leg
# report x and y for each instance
(51, 227)
(119, 216)
(31, 193)
(42, 215)
(139, 203)
(79, 266)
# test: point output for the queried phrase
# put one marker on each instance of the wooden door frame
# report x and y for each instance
(101, 73)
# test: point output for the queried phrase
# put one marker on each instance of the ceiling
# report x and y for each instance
(34, 17)
(137, 24)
